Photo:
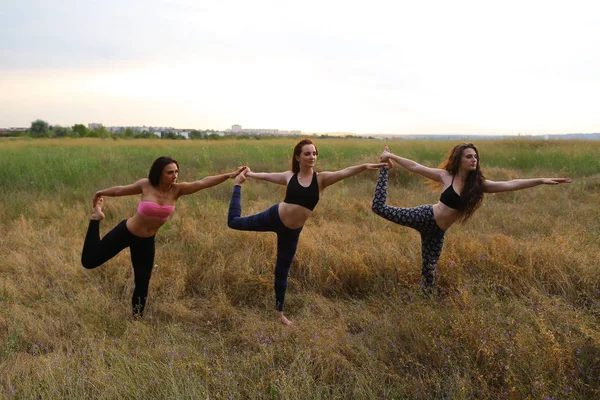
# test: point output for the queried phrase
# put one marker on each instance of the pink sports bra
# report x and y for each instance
(154, 210)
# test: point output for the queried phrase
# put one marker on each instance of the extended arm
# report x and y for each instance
(518, 184)
(280, 178)
(329, 178)
(115, 191)
(209, 181)
(434, 174)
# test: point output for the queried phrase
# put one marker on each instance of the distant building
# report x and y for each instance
(237, 130)
(115, 129)
(184, 133)
(12, 131)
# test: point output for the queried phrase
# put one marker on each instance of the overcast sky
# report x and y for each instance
(398, 67)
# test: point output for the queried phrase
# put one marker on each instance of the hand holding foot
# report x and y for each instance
(97, 213)
(385, 157)
(241, 178)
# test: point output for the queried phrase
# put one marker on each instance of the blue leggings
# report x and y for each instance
(96, 252)
(419, 218)
(268, 221)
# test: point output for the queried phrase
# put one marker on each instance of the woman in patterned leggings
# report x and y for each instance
(464, 184)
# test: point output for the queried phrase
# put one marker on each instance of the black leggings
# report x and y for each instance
(268, 221)
(419, 218)
(96, 252)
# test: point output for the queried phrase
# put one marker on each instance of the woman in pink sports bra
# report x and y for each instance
(160, 192)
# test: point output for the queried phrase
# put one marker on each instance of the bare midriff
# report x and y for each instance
(293, 216)
(142, 226)
(444, 216)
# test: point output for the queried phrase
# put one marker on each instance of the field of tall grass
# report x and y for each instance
(515, 314)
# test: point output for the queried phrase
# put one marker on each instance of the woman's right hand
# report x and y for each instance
(97, 196)
(386, 157)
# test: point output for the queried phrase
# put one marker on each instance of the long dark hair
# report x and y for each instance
(472, 192)
(297, 151)
(157, 168)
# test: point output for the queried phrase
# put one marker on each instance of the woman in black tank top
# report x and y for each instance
(286, 219)
(464, 186)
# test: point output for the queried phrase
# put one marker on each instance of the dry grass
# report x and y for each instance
(515, 315)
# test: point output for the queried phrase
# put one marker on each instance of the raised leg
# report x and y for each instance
(266, 221)
(97, 251)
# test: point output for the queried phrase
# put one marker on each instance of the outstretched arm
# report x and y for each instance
(518, 184)
(434, 174)
(280, 178)
(329, 178)
(116, 191)
(209, 181)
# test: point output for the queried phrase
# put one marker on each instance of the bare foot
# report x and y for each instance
(241, 178)
(97, 213)
(281, 318)
(385, 157)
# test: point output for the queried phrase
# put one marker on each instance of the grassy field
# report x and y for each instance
(516, 313)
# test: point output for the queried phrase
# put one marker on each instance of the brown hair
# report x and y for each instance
(157, 168)
(297, 151)
(472, 192)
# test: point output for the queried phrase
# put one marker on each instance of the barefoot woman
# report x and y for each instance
(160, 192)
(464, 185)
(286, 219)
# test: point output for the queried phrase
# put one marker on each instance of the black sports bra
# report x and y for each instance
(451, 199)
(307, 197)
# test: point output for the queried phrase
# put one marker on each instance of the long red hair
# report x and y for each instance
(472, 192)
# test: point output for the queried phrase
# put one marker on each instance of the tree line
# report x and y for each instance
(42, 129)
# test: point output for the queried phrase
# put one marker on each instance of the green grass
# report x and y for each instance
(82, 164)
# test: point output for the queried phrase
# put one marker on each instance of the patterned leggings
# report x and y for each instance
(96, 252)
(419, 218)
(268, 221)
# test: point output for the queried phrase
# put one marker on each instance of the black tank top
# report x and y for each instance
(303, 196)
(450, 198)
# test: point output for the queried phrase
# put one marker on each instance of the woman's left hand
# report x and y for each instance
(555, 181)
(239, 171)
(376, 166)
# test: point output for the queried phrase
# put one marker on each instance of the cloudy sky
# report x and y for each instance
(398, 67)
